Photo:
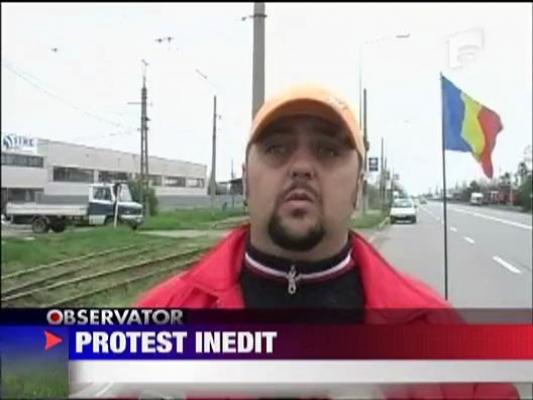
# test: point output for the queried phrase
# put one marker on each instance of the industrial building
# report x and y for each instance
(46, 171)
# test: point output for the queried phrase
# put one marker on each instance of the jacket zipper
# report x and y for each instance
(291, 278)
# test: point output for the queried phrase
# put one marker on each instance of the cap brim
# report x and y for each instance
(301, 106)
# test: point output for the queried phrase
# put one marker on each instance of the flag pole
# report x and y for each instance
(444, 199)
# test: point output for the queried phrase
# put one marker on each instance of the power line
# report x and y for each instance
(23, 75)
(229, 116)
(104, 136)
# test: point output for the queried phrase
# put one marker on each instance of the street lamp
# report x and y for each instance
(366, 43)
(212, 179)
(205, 78)
(361, 48)
(362, 104)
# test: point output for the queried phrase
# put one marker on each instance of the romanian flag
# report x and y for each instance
(468, 125)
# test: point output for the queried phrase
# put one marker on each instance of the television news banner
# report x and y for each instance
(186, 334)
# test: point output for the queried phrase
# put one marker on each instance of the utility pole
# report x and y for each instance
(212, 184)
(365, 169)
(144, 180)
(381, 183)
(385, 189)
(258, 77)
(363, 104)
(232, 187)
(212, 179)
(392, 183)
(144, 145)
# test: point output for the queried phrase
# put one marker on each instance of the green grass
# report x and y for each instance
(18, 255)
(34, 382)
(51, 247)
(371, 220)
(206, 219)
(201, 218)
(127, 295)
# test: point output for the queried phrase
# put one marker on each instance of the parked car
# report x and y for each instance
(403, 210)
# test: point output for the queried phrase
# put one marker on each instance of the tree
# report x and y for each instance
(506, 178)
(373, 193)
(474, 187)
(525, 193)
(522, 172)
(525, 190)
(466, 191)
(136, 189)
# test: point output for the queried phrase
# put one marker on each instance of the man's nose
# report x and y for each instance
(302, 163)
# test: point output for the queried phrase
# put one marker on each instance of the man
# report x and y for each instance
(302, 176)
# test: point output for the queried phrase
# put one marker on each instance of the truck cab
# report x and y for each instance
(108, 202)
(105, 197)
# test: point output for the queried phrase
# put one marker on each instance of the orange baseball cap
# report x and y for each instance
(312, 100)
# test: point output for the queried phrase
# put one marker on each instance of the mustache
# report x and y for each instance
(302, 185)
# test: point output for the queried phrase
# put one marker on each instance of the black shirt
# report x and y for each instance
(263, 285)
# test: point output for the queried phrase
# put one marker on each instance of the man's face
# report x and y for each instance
(301, 179)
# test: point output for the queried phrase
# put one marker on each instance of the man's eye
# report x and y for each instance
(328, 152)
(276, 149)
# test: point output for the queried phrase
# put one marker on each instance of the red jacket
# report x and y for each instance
(214, 283)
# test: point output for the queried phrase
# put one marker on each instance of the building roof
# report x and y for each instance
(117, 151)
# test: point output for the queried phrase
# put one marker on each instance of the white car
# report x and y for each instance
(403, 210)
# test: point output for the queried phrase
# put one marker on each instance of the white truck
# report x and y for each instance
(477, 199)
(107, 201)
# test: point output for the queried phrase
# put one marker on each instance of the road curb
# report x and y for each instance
(383, 223)
(379, 228)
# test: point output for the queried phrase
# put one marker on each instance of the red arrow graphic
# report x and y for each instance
(51, 340)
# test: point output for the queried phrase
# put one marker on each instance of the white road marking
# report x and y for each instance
(427, 211)
(453, 229)
(469, 240)
(503, 221)
(505, 264)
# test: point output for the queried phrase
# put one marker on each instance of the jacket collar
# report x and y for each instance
(217, 274)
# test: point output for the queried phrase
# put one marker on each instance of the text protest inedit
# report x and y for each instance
(132, 333)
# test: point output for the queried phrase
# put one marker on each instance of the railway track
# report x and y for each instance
(73, 266)
(63, 262)
(70, 299)
(77, 283)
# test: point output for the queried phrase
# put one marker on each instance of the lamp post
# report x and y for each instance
(363, 106)
(212, 178)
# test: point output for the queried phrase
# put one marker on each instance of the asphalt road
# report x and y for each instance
(489, 254)
(489, 259)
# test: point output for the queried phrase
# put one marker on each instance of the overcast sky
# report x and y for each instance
(80, 92)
